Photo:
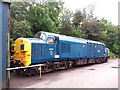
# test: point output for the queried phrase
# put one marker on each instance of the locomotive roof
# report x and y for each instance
(69, 38)
(33, 40)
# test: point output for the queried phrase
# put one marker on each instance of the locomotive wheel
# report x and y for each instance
(66, 66)
(32, 72)
(44, 69)
(70, 65)
(53, 67)
(23, 72)
(99, 61)
(105, 60)
(27, 73)
(36, 70)
(20, 72)
(74, 63)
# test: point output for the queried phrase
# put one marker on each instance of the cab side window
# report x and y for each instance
(50, 40)
(55, 40)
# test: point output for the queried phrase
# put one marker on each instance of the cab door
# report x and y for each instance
(51, 48)
(56, 40)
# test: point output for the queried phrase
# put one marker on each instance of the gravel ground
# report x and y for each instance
(103, 75)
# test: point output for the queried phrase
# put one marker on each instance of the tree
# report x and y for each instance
(19, 10)
(20, 27)
(29, 18)
(109, 35)
(78, 18)
(44, 17)
(65, 26)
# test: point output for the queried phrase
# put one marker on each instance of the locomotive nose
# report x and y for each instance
(22, 51)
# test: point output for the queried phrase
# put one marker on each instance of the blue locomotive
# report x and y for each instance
(57, 50)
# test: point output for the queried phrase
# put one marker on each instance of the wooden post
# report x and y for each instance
(8, 50)
(40, 72)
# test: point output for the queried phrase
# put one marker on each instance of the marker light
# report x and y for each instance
(28, 56)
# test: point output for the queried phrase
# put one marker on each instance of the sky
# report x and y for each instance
(102, 8)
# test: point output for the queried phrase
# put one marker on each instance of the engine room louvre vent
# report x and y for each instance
(65, 48)
(38, 50)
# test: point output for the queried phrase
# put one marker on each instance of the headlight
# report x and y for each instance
(28, 56)
(22, 47)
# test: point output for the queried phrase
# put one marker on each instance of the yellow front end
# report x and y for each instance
(22, 51)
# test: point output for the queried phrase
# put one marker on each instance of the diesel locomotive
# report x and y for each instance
(57, 51)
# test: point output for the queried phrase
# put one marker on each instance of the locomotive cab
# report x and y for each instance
(39, 49)
(52, 41)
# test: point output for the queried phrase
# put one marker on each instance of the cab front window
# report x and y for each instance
(41, 36)
(37, 35)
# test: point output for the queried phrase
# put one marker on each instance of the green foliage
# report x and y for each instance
(44, 17)
(20, 29)
(110, 36)
(112, 55)
(65, 26)
(19, 10)
(29, 18)
(78, 18)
